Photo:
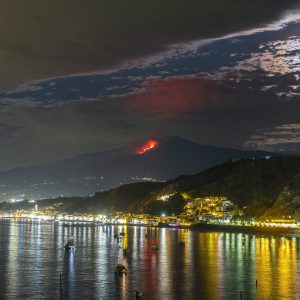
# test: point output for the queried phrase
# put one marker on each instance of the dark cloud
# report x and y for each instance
(282, 138)
(240, 91)
(244, 118)
(48, 38)
(9, 132)
(46, 134)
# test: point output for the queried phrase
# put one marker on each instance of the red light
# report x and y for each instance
(146, 147)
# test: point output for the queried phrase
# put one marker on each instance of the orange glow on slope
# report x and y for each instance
(146, 147)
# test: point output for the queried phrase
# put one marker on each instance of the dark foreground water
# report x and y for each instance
(209, 266)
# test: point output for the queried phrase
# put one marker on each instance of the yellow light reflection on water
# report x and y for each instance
(287, 267)
(209, 255)
(276, 264)
(264, 268)
(125, 238)
(231, 264)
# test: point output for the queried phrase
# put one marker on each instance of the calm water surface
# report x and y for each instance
(210, 266)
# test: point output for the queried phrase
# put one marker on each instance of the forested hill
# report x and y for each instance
(117, 199)
(252, 183)
(258, 186)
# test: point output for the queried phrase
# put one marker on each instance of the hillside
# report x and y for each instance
(288, 202)
(117, 199)
(252, 184)
(260, 187)
(85, 174)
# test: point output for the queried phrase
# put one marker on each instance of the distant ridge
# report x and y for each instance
(88, 173)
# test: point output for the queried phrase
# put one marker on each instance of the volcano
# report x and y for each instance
(150, 160)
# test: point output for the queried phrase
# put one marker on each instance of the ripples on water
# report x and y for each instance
(209, 266)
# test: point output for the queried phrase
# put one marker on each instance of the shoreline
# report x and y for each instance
(245, 229)
(200, 227)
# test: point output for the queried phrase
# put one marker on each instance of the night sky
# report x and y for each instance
(84, 76)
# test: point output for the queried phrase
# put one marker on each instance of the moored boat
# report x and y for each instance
(155, 247)
(121, 269)
(70, 245)
(138, 294)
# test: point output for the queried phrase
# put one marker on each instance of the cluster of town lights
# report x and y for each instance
(136, 219)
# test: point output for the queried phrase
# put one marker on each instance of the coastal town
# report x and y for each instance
(201, 210)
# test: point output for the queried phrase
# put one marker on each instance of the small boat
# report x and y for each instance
(121, 269)
(70, 245)
(155, 247)
(138, 294)
(243, 241)
(126, 250)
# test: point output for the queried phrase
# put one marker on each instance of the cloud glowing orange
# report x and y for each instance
(151, 144)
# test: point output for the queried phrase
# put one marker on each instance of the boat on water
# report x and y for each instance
(138, 294)
(120, 269)
(155, 247)
(70, 245)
